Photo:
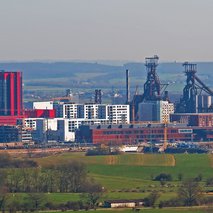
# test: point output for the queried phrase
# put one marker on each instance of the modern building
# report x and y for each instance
(11, 94)
(133, 134)
(68, 117)
(72, 110)
(158, 111)
(119, 114)
(194, 119)
(40, 113)
(9, 134)
(116, 114)
(58, 129)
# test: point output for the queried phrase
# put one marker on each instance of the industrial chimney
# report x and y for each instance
(98, 96)
(127, 87)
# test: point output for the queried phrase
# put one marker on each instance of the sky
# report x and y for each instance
(175, 30)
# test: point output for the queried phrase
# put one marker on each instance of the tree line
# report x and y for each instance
(35, 181)
(69, 177)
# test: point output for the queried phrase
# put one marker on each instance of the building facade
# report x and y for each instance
(11, 94)
(194, 119)
(158, 111)
(133, 134)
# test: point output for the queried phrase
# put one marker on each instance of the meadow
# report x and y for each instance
(140, 167)
(169, 210)
(131, 176)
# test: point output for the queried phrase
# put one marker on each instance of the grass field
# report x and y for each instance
(129, 176)
(168, 210)
(125, 159)
(137, 170)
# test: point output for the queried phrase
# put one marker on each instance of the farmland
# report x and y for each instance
(169, 210)
(138, 166)
(131, 176)
(133, 173)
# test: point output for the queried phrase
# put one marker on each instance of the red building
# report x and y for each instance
(11, 94)
(132, 134)
(11, 102)
(193, 119)
(40, 113)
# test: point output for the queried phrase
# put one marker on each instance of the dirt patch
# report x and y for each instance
(111, 160)
(211, 159)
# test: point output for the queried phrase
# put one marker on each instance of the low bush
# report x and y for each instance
(170, 203)
(163, 177)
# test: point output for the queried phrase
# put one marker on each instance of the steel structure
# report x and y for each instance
(98, 96)
(194, 86)
(153, 88)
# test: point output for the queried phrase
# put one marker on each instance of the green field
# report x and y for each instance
(118, 160)
(133, 173)
(168, 210)
(130, 176)
(140, 167)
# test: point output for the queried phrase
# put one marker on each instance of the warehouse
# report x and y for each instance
(132, 134)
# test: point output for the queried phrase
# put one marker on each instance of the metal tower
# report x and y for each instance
(98, 96)
(194, 86)
(152, 87)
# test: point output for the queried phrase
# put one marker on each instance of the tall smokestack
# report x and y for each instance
(98, 96)
(127, 87)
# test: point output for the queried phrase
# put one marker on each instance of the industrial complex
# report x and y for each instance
(144, 118)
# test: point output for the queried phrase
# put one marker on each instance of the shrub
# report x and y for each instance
(163, 177)
(198, 178)
(170, 203)
(209, 181)
(151, 199)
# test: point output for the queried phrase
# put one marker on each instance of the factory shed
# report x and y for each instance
(123, 203)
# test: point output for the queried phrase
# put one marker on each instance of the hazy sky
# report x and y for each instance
(106, 29)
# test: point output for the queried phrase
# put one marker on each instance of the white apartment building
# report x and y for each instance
(164, 110)
(118, 114)
(70, 111)
(70, 116)
(95, 111)
(58, 129)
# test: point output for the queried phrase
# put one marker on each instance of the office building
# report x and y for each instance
(11, 94)
(158, 111)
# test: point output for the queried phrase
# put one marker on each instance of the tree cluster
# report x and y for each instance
(69, 177)
(190, 193)
(209, 182)
(7, 162)
(163, 177)
(151, 199)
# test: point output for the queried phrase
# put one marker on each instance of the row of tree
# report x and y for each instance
(168, 177)
(68, 177)
(7, 162)
(34, 182)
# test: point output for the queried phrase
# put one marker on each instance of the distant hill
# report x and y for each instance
(71, 73)
(56, 70)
